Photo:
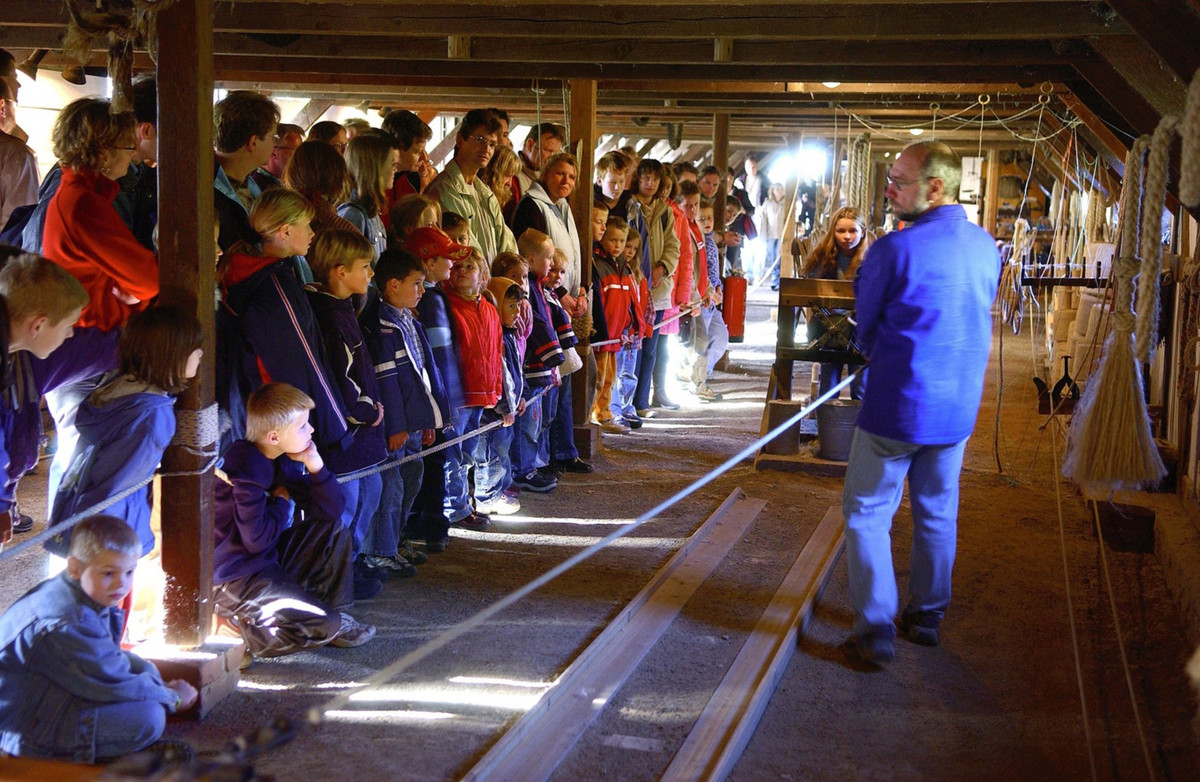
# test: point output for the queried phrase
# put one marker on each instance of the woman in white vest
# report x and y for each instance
(545, 208)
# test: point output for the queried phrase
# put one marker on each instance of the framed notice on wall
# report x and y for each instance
(972, 172)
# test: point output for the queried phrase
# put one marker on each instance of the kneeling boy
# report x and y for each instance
(67, 690)
(274, 577)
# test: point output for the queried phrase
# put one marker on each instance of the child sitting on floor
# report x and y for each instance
(282, 582)
(67, 690)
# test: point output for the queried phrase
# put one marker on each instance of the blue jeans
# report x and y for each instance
(122, 728)
(524, 451)
(711, 340)
(493, 463)
(628, 360)
(653, 367)
(458, 462)
(560, 421)
(399, 491)
(874, 486)
(831, 375)
(362, 500)
(771, 262)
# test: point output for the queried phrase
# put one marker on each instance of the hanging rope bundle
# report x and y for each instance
(1147, 309)
(858, 173)
(1110, 442)
(121, 25)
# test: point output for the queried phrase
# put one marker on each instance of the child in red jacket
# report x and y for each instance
(478, 342)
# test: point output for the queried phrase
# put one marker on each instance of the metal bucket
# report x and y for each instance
(835, 428)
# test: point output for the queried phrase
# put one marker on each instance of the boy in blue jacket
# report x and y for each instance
(39, 305)
(282, 583)
(413, 395)
(67, 690)
(436, 504)
(341, 264)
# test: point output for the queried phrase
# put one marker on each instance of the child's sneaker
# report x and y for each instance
(366, 581)
(633, 422)
(920, 627)
(406, 550)
(706, 394)
(536, 482)
(613, 426)
(502, 505)
(436, 545)
(475, 520)
(396, 565)
(353, 633)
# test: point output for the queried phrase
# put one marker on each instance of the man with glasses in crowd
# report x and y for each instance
(287, 138)
(459, 188)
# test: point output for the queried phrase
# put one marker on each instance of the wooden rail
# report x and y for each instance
(543, 736)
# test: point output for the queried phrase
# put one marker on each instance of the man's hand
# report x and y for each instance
(186, 692)
(656, 275)
(521, 407)
(508, 419)
(733, 239)
(309, 457)
(428, 436)
(398, 440)
(6, 526)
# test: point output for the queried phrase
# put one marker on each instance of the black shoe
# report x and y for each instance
(552, 471)
(874, 650)
(364, 568)
(633, 422)
(536, 482)
(575, 465)
(476, 521)
(920, 627)
(22, 523)
(366, 585)
(665, 404)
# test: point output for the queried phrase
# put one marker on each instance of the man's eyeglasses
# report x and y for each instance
(491, 143)
(900, 184)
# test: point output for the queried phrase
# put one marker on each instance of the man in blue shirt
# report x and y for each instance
(923, 303)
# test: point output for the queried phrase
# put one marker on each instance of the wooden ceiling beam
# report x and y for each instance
(832, 21)
(1107, 86)
(657, 51)
(287, 70)
(1144, 71)
(1170, 28)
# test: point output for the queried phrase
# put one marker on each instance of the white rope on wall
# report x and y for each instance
(1146, 332)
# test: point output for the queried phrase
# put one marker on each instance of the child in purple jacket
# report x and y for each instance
(279, 581)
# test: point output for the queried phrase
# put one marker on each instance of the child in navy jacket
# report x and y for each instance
(542, 355)
(413, 395)
(434, 505)
(341, 264)
(279, 581)
(266, 329)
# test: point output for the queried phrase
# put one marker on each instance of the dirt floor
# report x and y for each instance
(999, 699)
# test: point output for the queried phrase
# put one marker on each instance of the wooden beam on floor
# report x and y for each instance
(728, 722)
(535, 745)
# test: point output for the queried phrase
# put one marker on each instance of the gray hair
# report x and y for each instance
(942, 163)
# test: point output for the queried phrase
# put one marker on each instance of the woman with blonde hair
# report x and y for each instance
(837, 257)
(371, 159)
(498, 175)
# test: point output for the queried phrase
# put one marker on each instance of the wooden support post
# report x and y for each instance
(186, 274)
(878, 188)
(991, 193)
(583, 144)
(720, 151)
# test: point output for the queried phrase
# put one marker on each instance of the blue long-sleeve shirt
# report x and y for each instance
(923, 304)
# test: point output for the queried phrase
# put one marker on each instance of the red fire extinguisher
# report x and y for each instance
(733, 307)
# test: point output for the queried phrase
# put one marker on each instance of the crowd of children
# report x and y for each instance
(346, 349)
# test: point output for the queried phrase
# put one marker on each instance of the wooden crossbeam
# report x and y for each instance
(537, 742)
(1171, 28)
(727, 723)
(875, 22)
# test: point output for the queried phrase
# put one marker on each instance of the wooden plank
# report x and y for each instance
(539, 740)
(186, 274)
(36, 770)
(991, 196)
(1170, 28)
(582, 142)
(310, 112)
(720, 158)
(881, 21)
(1145, 72)
(727, 723)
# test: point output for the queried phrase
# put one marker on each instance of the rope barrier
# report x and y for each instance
(684, 311)
(472, 622)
